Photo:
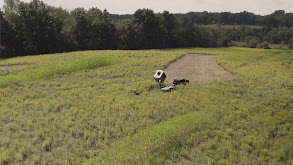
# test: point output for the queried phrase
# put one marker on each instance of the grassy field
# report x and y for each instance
(46, 72)
(76, 108)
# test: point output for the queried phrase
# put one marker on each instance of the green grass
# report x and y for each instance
(152, 142)
(87, 114)
(19, 64)
(49, 71)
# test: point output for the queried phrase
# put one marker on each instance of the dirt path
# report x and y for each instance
(196, 68)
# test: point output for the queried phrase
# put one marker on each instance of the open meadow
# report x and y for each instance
(76, 108)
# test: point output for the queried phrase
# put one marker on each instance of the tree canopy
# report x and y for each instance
(37, 28)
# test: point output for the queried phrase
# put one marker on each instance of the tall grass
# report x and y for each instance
(90, 116)
(58, 69)
(154, 140)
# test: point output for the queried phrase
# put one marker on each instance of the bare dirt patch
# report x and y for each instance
(197, 68)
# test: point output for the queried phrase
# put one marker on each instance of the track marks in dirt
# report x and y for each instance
(197, 68)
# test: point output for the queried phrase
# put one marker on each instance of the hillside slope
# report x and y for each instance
(87, 114)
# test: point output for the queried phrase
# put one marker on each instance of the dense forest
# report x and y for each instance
(37, 28)
(278, 18)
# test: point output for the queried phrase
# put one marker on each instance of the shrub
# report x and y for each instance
(225, 41)
(290, 46)
(264, 45)
(253, 43)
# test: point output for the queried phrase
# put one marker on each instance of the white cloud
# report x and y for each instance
(177, 6)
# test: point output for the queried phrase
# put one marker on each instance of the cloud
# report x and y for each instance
(262, 7)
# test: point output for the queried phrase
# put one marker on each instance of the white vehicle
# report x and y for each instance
(160, 77)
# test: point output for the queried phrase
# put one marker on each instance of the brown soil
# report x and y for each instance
(196, 68)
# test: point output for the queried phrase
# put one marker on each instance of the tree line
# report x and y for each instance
(37, 28)
(277, 19)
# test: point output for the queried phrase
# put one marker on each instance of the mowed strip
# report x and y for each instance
(58, 69)
(196, 68)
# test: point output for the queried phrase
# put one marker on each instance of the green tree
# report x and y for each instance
(277, 19)
(147, 26)
(107, 31)
(224, 18)
(224, 41)
(170, 30)
(94, 29)
(190, 36)
(265, 45)
(245, 18)
(253, 43)
(66, 23)
(81, 30)
(10, 43)
(11, 8)
(126, 35)
(39, 28)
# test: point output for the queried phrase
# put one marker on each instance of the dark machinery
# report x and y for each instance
(160, 77)
(179, 81)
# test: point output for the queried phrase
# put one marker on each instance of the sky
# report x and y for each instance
(262, 7)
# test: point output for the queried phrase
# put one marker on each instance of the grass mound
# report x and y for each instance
(47, 72)
(153, 142)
